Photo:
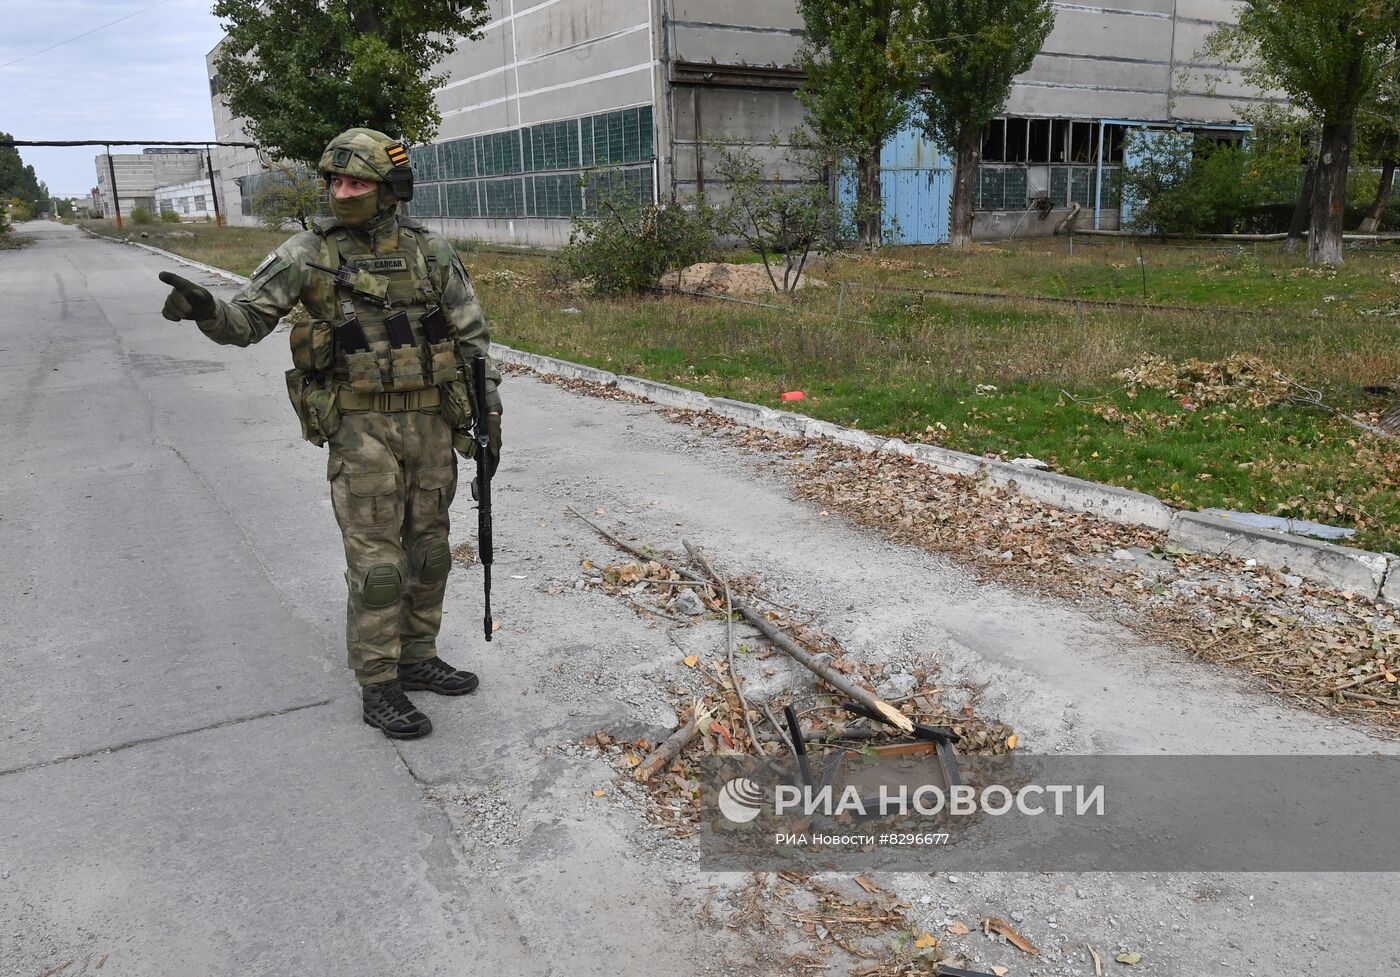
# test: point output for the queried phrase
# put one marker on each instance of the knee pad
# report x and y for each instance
(437, 563)
(383, 585)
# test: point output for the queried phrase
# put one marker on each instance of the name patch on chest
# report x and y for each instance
(378, 265)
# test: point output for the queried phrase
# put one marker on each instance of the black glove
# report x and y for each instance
(493, 450)
(493, 439)
(187, 300)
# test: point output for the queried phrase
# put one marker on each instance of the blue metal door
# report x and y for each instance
(915, 182)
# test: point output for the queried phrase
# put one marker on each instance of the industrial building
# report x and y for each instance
(555, 90)
(140, 174)
(191, 200)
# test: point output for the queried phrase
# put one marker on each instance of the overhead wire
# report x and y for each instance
(76, 37)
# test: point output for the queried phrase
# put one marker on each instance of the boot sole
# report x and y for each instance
(418, 734)
(421, 687)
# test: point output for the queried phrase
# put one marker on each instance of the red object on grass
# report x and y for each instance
(792, 395)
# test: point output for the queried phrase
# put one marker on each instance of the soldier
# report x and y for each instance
(379, 375)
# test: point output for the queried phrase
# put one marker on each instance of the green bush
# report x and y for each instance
(169, 217)
(626, 244)
(21, 210)
(1183, 185)
(140, 215)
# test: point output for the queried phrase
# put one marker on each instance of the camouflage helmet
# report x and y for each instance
(367, 154)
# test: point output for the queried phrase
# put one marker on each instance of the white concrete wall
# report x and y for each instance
(231, 163)
(191, 199)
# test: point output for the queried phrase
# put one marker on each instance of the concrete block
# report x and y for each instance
(956, 462)
(550, 366)
(1339, 567)
(1390, 590)
(751, 414)
(1109, 502)
(663, 393)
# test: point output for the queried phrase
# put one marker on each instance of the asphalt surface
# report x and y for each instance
(185, 784)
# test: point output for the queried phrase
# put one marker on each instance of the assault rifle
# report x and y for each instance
(481, 485)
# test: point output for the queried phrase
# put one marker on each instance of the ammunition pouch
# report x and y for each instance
(406, 364)
(313, 398)
(363, 368)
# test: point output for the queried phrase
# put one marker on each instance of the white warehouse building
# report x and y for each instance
(556, 89)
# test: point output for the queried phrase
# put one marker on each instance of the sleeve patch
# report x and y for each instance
(267, 263)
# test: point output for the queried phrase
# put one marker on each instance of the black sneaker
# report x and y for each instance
(435, 675)
(388, 708)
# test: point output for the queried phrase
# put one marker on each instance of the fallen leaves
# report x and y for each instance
(1130, 958)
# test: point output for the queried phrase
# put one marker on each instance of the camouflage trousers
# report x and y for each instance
(393, 476)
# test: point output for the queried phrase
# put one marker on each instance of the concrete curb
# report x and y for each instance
(1372, 575)
(1339, 567)
(1342, 567)
(189, 262)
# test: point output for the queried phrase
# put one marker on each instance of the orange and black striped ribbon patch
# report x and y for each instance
(397, 155)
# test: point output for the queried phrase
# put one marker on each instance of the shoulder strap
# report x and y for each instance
(324, 225)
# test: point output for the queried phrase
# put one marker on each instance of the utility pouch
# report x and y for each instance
(314, 401)
(457, 409)
(444, 362)
(313, 346)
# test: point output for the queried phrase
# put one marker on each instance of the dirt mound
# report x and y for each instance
(724, 278)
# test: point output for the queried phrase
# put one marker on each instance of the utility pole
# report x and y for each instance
(112, 178)
(213, 187)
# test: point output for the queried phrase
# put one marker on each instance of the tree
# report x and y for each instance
(1378, 138)
(16, 178)
(965, 54)
(773, 217)
(857, 88)
(1326, 55)
(302, 71)
(289, 193)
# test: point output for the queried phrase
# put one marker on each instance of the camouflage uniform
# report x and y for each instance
(390, 419)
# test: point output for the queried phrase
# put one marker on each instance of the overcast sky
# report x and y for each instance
(143, 78)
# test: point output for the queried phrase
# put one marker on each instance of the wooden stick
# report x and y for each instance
(1361, 680)
(669, 750)
(610, 537)
(805, 658)
(1363, 697)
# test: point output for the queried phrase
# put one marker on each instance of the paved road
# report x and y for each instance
(186, 788)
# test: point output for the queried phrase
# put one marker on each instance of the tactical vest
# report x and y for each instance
(386, 366)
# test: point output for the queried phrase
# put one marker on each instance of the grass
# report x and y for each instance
(1020, 376)
(239, 249)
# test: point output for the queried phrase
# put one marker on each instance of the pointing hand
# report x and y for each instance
(186, 299)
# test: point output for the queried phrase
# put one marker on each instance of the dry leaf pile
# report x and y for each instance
(864, 932)
(1332, 650)
(1237, 379)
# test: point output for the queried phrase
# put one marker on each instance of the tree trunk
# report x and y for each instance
(1372, 221)
(969, 156)
(1302, 211)
(1329, 195)
(869, 206)
(1390, 420)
